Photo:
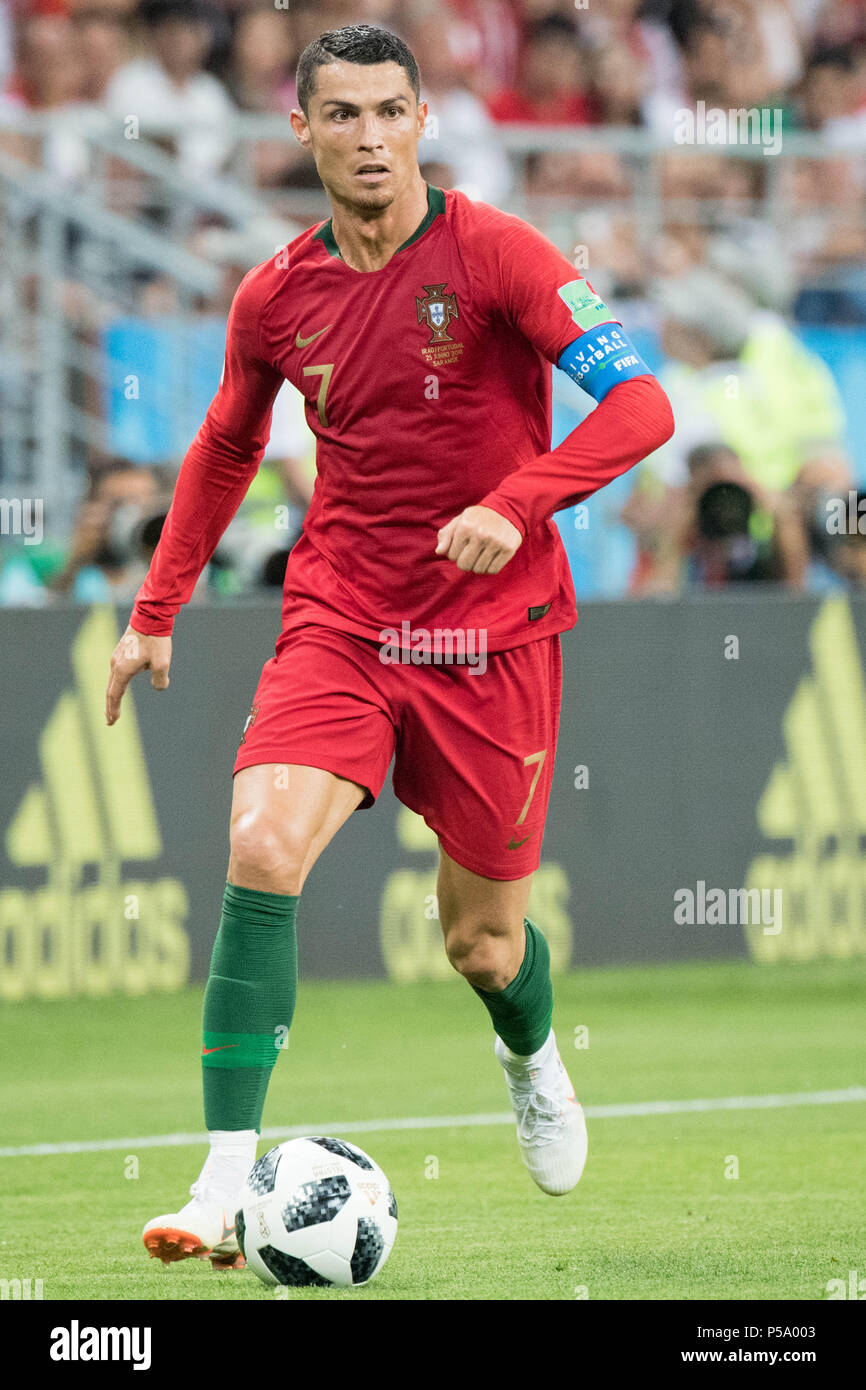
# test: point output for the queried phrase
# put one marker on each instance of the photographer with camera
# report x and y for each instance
(734, 531)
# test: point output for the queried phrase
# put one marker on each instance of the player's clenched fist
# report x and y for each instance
(136, 652)
(479, 540)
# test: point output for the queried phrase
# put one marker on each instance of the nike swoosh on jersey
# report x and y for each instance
(305, 342)
(515, 844)
(222, 1047)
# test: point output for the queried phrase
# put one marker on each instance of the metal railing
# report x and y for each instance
(72, 261)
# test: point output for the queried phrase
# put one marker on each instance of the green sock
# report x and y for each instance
(248, 1004)
(522, 1012)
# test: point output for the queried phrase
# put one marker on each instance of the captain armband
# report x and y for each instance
(601, 358)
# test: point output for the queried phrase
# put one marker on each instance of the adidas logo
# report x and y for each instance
(816, 801)
(85, 930)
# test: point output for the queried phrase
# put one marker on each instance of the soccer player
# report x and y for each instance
(420, 327)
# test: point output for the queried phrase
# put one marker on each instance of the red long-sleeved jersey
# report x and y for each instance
(428, 387)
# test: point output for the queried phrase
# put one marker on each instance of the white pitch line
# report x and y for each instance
(592, 1112)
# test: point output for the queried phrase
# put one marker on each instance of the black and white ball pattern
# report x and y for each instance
(263, 1174)
(316, 1210)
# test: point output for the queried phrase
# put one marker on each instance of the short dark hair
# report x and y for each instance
(354, 43)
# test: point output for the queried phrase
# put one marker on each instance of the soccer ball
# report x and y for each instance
(316, 1211)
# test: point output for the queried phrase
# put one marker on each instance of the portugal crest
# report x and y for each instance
(436, 310)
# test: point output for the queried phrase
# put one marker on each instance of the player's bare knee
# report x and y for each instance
(267, 855)
(483, 958)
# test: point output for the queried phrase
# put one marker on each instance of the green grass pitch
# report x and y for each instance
(654, 1217)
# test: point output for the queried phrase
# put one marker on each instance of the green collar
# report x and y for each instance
(435, 206)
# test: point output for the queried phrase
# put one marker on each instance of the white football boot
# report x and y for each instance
(551, 1129)
(205, 1227)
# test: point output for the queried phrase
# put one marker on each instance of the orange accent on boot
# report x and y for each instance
(170, 1244)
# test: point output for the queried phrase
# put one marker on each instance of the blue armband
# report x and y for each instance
(601, 358)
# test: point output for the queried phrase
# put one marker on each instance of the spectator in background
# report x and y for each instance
(313, 17)
(833, 96)
(48, 77)
(531, 11)
(735, 532)
(107, 558)
(823, 479)
(681, 247)
(652, 66)
(849, 556)
(620, 84)
(705, 323)
(262, 78)
(706, 61)
(263, 59)
(691, 177)
(459, 148)
(47, 71)
(171, 86)
(796, 381)
(593, 177)
(6, 55)
(124, 9)
(770, 402)
(827, 233)
(480, 38)
(736, 377)
(742, 189)
(776, 30)
(739, 54)
(611, 245)
(719, 527)
(103, 41)
(840, 21)
(742, 74)
(828, 195)
(828, 92)
(552, 84)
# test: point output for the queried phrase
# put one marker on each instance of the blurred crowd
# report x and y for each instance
(562, 62)
(622, 62)
(740, 494)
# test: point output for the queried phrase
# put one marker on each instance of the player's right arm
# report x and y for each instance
(216, 472)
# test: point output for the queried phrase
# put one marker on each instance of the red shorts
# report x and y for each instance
(473, 749)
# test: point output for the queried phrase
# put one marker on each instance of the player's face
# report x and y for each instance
(363, 130)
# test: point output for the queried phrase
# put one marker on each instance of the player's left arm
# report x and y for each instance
(563, 316)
